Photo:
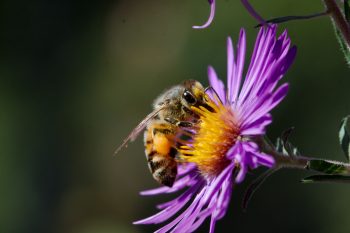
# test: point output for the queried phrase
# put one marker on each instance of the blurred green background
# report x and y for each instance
(77, 76)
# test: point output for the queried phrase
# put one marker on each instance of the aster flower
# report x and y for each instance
(245, 3)
(223, 147)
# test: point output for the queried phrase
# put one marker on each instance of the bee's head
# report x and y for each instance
(193, 94)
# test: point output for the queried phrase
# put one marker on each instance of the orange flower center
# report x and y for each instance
(216, 133)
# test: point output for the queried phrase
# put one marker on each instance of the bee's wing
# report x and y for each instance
(138, 129)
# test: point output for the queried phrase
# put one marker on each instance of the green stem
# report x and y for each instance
(299, 162)
(339, 19)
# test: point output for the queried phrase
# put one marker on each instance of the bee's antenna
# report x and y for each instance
(213, 90)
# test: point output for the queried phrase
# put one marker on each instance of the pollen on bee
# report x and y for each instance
(217, 131)
(161, 144)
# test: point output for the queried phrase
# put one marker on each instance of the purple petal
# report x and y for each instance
(169, 203)
(252, 12)
(186, 220)
(236, 149)
(279, 95)
(290, 58)
(257, 127)
(255, 76)
(226, 197)
(178, 185)
(277, 69)
(203, 215)
(171, 225)
(241, 174)
(269, 104)
(262, 159)
(217, 206)
(257, 48)
(191, 213)
(173, 209)
(212, 224)
(231, 69)
(215, 184)
(217, 84)
(237, 74)
(265, 159)
(183, 169)
(211, 16)
(211, 192)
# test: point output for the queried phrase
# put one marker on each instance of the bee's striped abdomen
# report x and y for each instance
(160, 153)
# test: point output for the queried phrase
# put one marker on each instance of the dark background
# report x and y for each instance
(77, 76)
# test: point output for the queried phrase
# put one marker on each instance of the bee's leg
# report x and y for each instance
(187, 110)
(190, 112)
(162, 131)
(185, 124)
(176, 122)
(172, 121)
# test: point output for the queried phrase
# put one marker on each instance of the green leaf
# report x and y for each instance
(328, 167)
(344, 137)
(326, 179)
(347, 10)
(284, 146)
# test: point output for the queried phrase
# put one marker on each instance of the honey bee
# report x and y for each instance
(171, 111)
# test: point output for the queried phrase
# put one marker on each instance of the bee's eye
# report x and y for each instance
(189, 97)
